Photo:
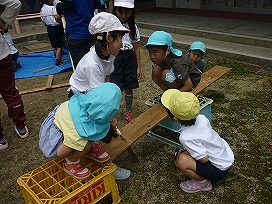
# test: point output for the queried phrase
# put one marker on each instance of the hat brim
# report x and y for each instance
(165, 99)
(176, 52)
(124, 4)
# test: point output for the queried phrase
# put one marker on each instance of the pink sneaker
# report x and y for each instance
(96, 154)
(76, 170)
(192, 186)
(129, 116)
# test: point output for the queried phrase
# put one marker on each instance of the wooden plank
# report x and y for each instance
(43, 69)
(152, 116)
(49, 81)
(42, 89)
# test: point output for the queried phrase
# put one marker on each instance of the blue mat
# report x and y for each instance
(40, 64)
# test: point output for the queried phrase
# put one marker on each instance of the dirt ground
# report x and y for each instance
(241, 113)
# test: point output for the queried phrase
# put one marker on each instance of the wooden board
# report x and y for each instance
(152, 116)
(49, 81)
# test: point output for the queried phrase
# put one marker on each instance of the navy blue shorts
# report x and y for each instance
(55, 34)
(125, 70)
(209, 171)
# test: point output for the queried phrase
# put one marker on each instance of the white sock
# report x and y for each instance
(69, 162)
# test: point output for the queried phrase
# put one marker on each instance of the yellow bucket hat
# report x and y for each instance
(183, 105)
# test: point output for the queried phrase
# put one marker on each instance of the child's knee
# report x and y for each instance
(182, 160)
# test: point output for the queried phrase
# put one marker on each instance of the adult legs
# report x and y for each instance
(10, 93)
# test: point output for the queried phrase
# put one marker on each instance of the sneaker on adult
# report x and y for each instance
(121, 173)
(3, 144)
(129, 116)
(97, 154)
(193, 186)
(63, 60)
(22, 132)
(76, 170)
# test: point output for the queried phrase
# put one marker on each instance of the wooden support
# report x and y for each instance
(42, 89)
(49, 81)
(152, 116)
(43, 69)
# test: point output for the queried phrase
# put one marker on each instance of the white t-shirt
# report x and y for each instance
(9, 40)
(127, 41)
(201, 140)
(90, 72)
(49, 20)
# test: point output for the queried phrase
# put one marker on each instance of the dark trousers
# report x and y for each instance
(78, 48)
(10, 94)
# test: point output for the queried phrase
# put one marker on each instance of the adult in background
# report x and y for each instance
(78, 15)
(7, 80)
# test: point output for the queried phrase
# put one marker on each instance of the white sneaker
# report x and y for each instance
(121, 173)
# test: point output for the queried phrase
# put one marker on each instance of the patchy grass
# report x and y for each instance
(241, 114)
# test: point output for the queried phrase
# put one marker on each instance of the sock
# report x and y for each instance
(69, 162)
(58, 61)
(129, 99)
(202, 181)
(3, 141)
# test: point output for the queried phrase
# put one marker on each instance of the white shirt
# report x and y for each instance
(127, 41)
(49, 20)
(9, 40)
(201, 140)
(12, 9)
(90, 72)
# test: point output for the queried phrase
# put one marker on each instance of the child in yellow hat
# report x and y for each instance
(209, 155)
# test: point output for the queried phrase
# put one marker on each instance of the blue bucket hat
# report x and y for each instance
(92, 112)
(198, 45)
(163, 38)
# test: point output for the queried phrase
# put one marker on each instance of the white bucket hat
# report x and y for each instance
(124, 3)
(105, 22)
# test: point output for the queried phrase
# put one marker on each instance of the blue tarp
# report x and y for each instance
(36, 62)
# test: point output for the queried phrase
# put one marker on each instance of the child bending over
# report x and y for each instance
(71, 128)
(209, 155)
(171, 69)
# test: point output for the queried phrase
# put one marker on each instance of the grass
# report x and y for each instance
(241, 114)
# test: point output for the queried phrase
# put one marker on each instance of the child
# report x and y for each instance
(54, 29)
(127, 68)
(13, 50)
(70, 129)
(171, 69)
(209, 155)
(196, 53)
(97, 65)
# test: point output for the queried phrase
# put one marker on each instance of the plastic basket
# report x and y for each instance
(205, 109)
(50, 184)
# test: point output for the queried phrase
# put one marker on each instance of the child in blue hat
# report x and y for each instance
(72, 127)
(196, 52)
(171, 69)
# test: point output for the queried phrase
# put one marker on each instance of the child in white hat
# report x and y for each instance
(127, 66)
(196, 53)
(97, 65)
(71, 128)
(209, 155)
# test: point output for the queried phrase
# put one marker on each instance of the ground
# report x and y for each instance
(241, 114)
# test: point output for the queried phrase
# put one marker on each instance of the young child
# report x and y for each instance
(13, 50)
(54, 29)
(171, 69)
(70, 129)
(127, 68)
(196, 53)
(96, 66)
(209, 155)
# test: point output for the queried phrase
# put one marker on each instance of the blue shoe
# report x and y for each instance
(121, 173)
